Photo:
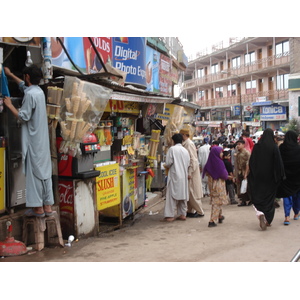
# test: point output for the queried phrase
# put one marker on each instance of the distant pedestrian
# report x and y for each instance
(203, 154)
(217, 174)
(241, 171)
(266, 174)
(290, 187)
(229, 182)
(177, 194)
(195, 209)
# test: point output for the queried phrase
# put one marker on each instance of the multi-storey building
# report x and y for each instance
(241, 86)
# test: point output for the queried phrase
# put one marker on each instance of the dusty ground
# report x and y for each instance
(146, 239)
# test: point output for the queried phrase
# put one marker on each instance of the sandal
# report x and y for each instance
(221, 219)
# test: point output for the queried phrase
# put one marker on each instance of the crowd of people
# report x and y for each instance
(257, 174)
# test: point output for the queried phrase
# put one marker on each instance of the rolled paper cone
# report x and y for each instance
(57, 111)
(78, 131)
(85, 106)
(59, 95)
(74, 89)
(80, 88)
(75, 102)
(73, 130)
(68, 104)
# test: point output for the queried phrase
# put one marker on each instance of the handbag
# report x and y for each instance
(244, 186)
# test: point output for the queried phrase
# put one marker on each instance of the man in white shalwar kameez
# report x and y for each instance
(36, 156)
(177, 194)
(195, 209)
(203, 153)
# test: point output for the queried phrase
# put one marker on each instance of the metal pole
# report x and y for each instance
(241, 108)
(296, 257)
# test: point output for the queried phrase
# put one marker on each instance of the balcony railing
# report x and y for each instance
(258, 65)
(245, 99)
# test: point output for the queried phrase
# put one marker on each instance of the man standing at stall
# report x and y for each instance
(195, 209)
(177, 195)
(35, 142)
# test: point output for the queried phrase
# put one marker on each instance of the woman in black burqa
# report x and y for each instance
(266, 173)
(290, 187)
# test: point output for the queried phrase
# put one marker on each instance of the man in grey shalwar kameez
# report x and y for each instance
(177, 195)
(35, 142)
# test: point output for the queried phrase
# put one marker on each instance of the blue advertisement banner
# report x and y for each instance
(273, 112)
(152, 69)
(129, 55)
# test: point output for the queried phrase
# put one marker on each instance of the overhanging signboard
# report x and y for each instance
(273, 112)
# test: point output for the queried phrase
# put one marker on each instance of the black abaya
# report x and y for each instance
(266, 173)
(290, 154)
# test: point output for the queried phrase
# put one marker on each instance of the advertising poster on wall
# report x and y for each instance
(152, 70)
(108, 186)
(104, 47)
(129, 56)
(165, 81)
(82, 53)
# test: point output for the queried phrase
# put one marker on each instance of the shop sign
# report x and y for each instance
(272, 113)
(108, 186)
(165, 81)
(129, 56)
(236, 110)
(22, 41)
(120, 106)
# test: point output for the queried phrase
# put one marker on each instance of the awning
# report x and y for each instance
(140, 98)
(186, 104)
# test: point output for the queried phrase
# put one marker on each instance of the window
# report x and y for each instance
(236, 62)
(250, 58)
(219, 92)
(282, 49)
(282, 82)
(201, 95)
(200, 73)
(214, 69)
(231, 90)
(250, 87)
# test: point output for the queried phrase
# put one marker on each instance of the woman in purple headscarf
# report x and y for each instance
(217, 174)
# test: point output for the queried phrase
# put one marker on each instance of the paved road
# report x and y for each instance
(238, 239)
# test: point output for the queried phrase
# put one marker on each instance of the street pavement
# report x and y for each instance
(146, 239)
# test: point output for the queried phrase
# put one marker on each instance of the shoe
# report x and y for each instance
(262, 222)
(286, 223)
(31, 213)
(234, 202)
(195, 215)
(297, 217)
(242, 204)
(221, 219)
(212, 224)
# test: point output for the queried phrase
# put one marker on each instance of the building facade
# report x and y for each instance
(244, 85)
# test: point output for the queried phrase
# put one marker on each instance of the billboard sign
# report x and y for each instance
(129, 55)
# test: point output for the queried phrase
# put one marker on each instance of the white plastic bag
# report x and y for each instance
(244, 186)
